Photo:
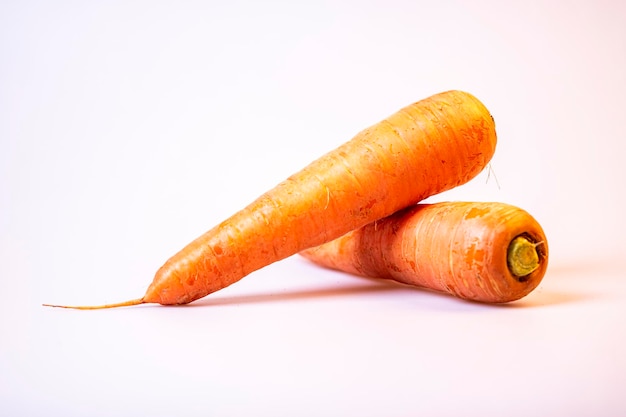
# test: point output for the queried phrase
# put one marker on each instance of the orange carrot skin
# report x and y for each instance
(458, 248)
(423, 149)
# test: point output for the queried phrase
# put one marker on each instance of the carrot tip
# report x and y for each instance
(100, 307)
(522, 257)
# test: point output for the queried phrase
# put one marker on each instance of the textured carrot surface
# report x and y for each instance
(488, 252)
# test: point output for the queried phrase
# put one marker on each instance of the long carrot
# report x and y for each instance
(423, 149)
(488, 252)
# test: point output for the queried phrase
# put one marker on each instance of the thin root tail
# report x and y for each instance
(100, 307)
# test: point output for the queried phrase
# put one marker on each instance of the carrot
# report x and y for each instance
(423, 149)
(488, 252)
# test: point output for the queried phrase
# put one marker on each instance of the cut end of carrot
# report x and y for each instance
(100, 307)
(522, 257)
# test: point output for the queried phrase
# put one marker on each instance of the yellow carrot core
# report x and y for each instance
(522, 257)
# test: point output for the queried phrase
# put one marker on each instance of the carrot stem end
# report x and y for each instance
(522, 257)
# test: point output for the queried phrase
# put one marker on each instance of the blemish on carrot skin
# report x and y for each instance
(371, 203)
(327, 197)
(218, 250)
(476, 212)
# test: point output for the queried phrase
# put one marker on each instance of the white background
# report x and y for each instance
(128, 128)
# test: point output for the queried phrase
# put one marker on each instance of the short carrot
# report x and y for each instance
(425, 148)
(488, 252)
